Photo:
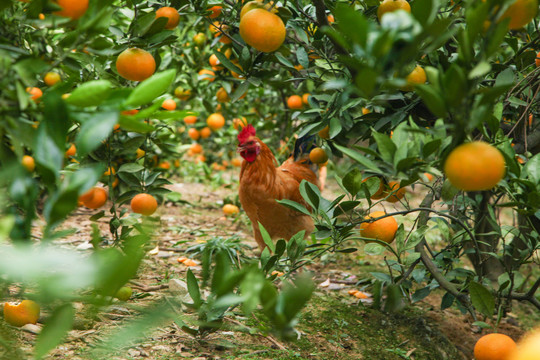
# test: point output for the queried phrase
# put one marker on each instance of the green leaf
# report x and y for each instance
(302, 57)
(352, 24)
(531, 169)
(294, 205)
(266, 237)
(94, 130)
(386, 146)
(480, 70)
(227, 63)
(353, 181)
(91, 93)
(482, 299)
(420, 294)
(425, 10)
(432, 98)
(240, 90)
(55, 330)
(193, 289)
(394, 299)
(455, 85)
(374, 249)
(358, 157)
(150, 88)
(310, 193)
(129, 123)
(447, 301)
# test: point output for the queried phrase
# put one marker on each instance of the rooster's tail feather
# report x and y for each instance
(302, 148)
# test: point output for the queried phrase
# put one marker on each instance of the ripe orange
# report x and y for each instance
(236, 162)
(110, 170)
(205, 132)
(190, 119)
(429, 176)
(305, 99)
(196, 148)
(325, 133)
(235, 74)
(169, 104)
(73, 9)
(164, 165)
(398, 193)
(494, 347)
(318, 156)
(215, 121)
(262, 30)
(71, 151)
(383, 229)
(182, 93)
(205, 74)
(537, 60)
(35, 92)
(256, 4)
(28, 163)
(392, 5)
(365, 111)
(294, 102)
(216, 11)
(140, 153)
(380, 193)
(194, 134)
(94, 198)
(215, 63)
(27, 312)
(230, 209)
(475, 166)
(222, 95)
(51, 78)
(417, 76)
(528, 348)
(330, 19)
(129, 112)
(521, 12)
(135, 64)
(171, 14)
(144, 204)
(239, 123)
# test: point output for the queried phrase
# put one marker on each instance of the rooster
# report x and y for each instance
(262, 183)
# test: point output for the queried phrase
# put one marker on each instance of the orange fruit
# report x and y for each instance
(222, 95)
(397, 192)
(392, 5)
(71, 151)
(73, 9)
(325, 133)
(196, 148)
(172, 15)
(330, 19)
(235, 74)
(475, 166)
(215, 121)
(230, 209)
(164, 165)
(236, 162)
(239, 123)
(194, 134)
(51, 78)
(215, 63)
(528, 348)
(305, 99)
(216, 11)
(144, 204)
(135, 64)
(365, 111)
(182, 93)
(169, 104)
(110, 170)
(205, 74)
(27, 312)
(429, 176)
(256, 4)
(380, 193)
(294, 102)
(537, 60)
(262, 30)
(205, 132)
(494, 347)
(41, 16)
(128, 112)
(417, 76)
(318, 156)
(521, 12)
(35, 93)
(140, 153)
(383, 229)
(199, 39)
(28, 163)
(94, 198)
(190, 119)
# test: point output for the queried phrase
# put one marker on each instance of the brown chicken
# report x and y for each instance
(262, 183)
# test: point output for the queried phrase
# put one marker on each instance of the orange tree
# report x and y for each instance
(396, 96)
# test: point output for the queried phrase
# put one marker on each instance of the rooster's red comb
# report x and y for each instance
(246, 132)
